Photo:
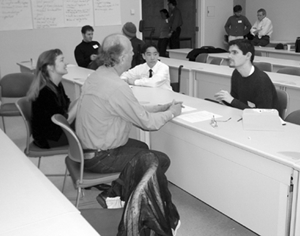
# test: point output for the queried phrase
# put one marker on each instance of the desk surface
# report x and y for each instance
(272, 60)
(273, 50)
(27, 196)
(282, 146)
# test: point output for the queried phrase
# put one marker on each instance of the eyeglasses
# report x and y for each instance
(214, 122)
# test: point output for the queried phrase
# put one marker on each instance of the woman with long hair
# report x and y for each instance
(48, 97)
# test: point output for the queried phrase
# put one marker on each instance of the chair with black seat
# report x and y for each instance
(283, 100)
(264, 66)
(176, 85)
(216, 61)
(294, 117)
(75, 162)
(202, 57)
(31, 150)
(13, 85)
(289, 71)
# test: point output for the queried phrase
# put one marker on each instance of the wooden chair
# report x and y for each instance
(264, 66)
(202, 57)
(283, 99)
(13, 85)
(294, 117)
(75, 162)
(289, 71)
(31, 150)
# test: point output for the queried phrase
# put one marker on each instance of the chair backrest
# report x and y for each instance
(24, 107)
(294, 117)
(283, 99)
(216, 61)
(202, 57)
(176, 86)
(264, 66)
(258, 53)
(289, 71)
(15, 85)
(75, 149)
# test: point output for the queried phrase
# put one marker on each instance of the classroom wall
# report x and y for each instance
(21, 45)
(216, 13)
(283, 14)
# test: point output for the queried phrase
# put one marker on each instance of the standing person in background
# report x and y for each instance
(237, 26)
(175, 22)
(262, 29)
(163, 39)
(87, 50)
(129, 30)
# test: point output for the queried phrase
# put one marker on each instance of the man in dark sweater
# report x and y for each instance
(87, 50)
(250, 87)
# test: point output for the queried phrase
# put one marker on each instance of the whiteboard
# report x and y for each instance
(41, 14)
(107, 12)
(15, 15)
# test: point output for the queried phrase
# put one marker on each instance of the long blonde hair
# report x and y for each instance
(41, 75)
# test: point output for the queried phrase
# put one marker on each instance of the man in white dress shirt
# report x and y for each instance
(262, 29)
(152, 73)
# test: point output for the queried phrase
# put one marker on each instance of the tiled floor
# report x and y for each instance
(197, 218)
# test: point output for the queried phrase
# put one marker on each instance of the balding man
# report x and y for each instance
(107, 109)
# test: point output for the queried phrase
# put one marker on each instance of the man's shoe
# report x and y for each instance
(101, 199)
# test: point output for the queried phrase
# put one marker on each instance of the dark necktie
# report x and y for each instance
(150, 73)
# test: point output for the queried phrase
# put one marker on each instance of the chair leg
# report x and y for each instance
(39, 162)
(3, 124)
(78, 196)
(65, 179)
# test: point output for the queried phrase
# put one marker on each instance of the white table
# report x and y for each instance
(179, 53)
(277, 63)
(278, 53)
(26, 66)
(243, 174)
(30, 204)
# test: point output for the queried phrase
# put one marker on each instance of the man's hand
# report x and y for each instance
(223, 96)
(175, 108)
(131, 80)
(93, 57)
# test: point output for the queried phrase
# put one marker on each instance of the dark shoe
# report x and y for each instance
(101, 199)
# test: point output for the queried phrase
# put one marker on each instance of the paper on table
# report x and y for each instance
(198, 116)
(187, 108)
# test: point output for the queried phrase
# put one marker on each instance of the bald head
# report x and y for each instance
(113, 47)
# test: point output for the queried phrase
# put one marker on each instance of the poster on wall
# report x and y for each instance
(48, 14)
(15, 15)
(78, 13)
(107, 12)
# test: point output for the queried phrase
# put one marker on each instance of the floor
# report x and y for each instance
(197, 218)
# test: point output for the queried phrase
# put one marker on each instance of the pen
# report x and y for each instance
(239, 119)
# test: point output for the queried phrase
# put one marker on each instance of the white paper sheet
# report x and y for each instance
(198, 116)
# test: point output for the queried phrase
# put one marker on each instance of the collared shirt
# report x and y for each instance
(265, 26)
(107, 108)
(160, 75)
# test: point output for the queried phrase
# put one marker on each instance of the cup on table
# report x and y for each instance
(288, 47)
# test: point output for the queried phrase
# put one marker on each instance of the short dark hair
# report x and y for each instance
(237, 8)
(86, 28)
(148, 45)
(263, 11)
(245, 46)
(173, 2)
(165, 11)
